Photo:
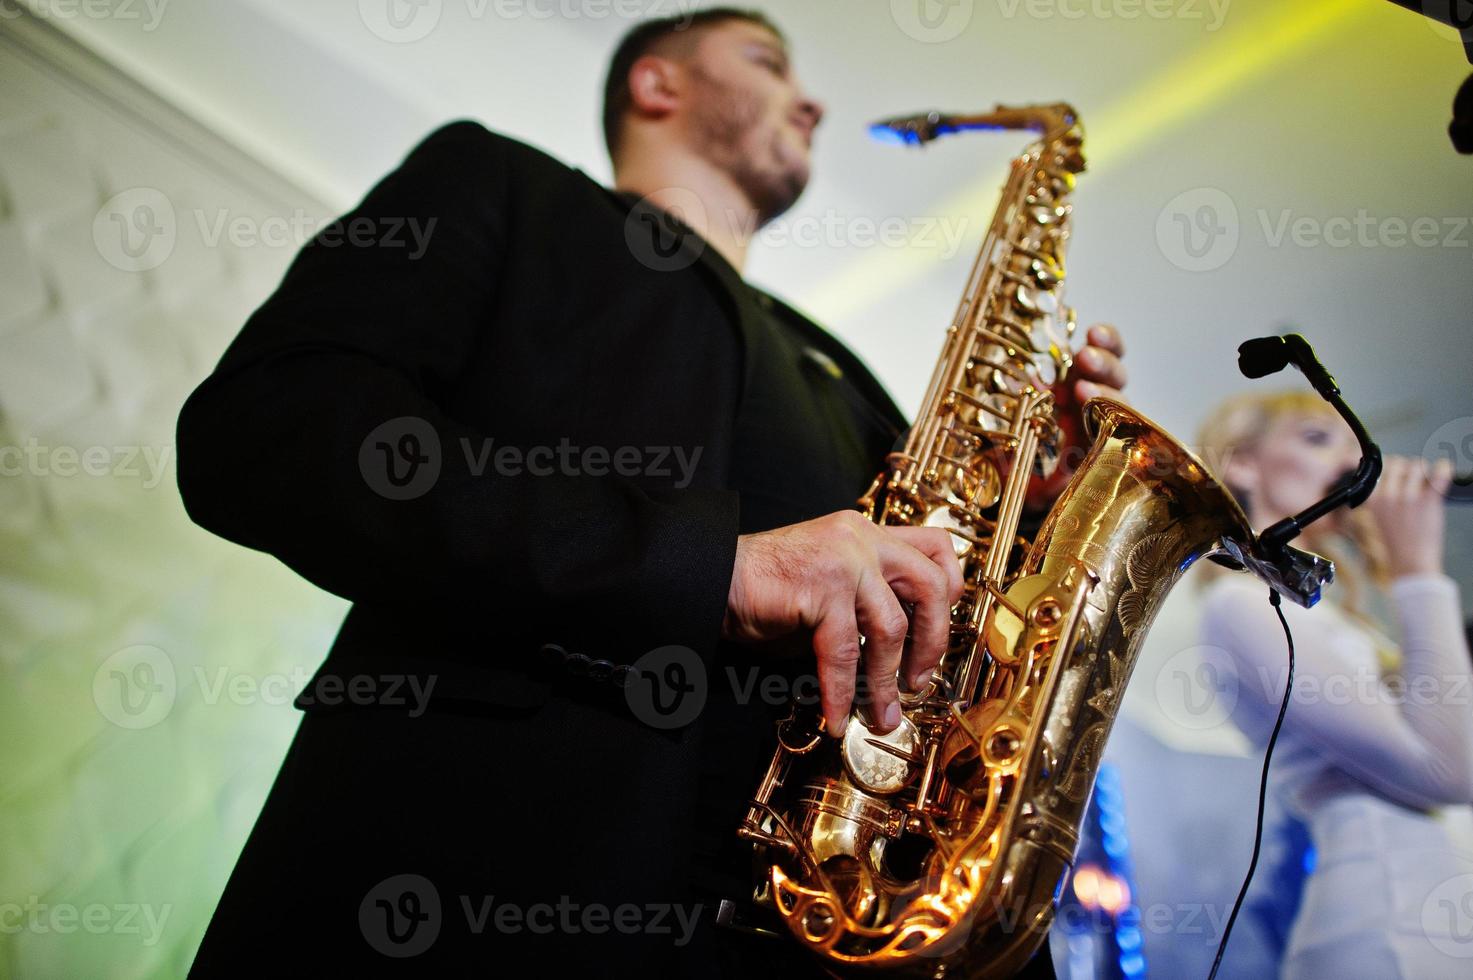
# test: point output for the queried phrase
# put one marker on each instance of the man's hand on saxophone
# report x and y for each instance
(839, 577)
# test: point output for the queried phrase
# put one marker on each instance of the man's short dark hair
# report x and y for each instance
(642, 39)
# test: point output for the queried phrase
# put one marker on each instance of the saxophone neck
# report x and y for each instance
(1055, 122)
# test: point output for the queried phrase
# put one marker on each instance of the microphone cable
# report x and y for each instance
(1274, 600)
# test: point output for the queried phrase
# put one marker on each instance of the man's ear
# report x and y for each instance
(655, 85)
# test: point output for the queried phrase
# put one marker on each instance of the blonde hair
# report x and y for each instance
(1237, 425)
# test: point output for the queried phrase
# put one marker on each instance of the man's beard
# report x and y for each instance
(726, 123)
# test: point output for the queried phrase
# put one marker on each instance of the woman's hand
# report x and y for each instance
(1407, 508)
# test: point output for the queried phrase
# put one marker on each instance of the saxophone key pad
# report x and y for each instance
(881, 764)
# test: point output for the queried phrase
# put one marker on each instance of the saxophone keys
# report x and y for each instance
(881, 764)
(983, 740)
(1044, 214)
(1032, 302)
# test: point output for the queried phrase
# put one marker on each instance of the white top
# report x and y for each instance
(1365, 764)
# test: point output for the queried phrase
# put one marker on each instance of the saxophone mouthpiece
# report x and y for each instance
(910, 130)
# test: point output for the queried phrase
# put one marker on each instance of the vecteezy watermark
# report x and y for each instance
(1448, 18)
(566, 459)
(1452, 441)
(138, 686)
(1214, 12)
(663, 236)
(135, 687)
(297, 229)
(1197, 688)
(402, 459)
(1206, 919)
(149, 12)
(1363, 230)
(403, 916)
(1199, 230)
(833, 229)
(138, 230)
(1365, 685)
(35, 459)
(932, 21)
(667, 687)
(1447, 917)
(65, 918)
(660, 229)
(406, 21)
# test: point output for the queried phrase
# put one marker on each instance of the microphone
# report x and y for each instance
(1268, 355)
(1263, 356)
(1461, 128)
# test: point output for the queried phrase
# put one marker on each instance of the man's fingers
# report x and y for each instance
(1440, 476)
(884, 625)
(1101, 366)
(1085, 390)
(932, 587)
(1105, 335)
(930, 631)
(1393, 475)
(836, 647)
(1406, 478)
(936, 545)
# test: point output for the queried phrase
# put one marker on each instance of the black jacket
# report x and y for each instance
(345, 432)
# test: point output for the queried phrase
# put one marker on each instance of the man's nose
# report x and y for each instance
(812, 108)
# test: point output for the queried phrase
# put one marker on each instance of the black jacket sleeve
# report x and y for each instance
(284, 447)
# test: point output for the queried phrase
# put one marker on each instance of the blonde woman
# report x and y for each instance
(1377, 745)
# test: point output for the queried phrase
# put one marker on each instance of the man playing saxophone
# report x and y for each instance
(532, 795)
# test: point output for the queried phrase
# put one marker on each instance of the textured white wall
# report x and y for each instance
(130, 768)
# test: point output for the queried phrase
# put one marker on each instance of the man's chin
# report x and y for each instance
(781, 194)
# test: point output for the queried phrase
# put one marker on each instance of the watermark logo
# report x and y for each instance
(932, 21)
(1453, 441)
(64, 918)
(410, 233)
(1448, 18)
(1214, 12)
(667, 687)
(64, 461)
(400, 916)
(400, 21)
(135, 687)
(1447, 917)
(1197, 688)
(662, 236)
(1363, 230)
(136, 231)
(1198, 229)
(150, 12)
(400, 460)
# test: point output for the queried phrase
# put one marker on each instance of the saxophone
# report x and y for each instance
(938, 849)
